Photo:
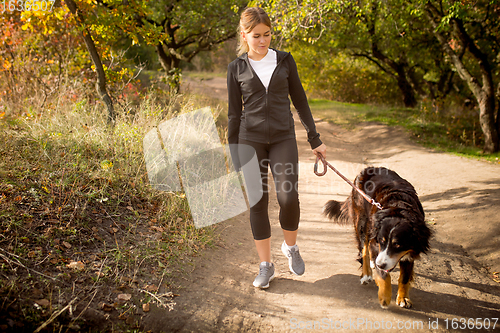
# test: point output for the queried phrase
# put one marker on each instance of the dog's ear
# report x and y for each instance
(378, 220)
(422, 234)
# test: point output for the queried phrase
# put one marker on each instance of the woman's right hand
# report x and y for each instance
(320, 150)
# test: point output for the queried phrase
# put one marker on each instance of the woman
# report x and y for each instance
(259, 82)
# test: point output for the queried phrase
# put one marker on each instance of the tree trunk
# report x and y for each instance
(406, 89)
(498, 108)
(96, 59)
(487, 122)
(165, 60)
(484, 93)
(397, 68)
(171, 66)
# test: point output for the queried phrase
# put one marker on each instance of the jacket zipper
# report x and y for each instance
(268, 131)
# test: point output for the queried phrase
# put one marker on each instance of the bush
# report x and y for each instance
(340, 78)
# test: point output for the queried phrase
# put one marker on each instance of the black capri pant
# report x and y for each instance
(283, 159)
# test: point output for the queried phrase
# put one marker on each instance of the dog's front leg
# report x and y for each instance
(383, 281)
(366, 276)
(404, 283)
(382, 278)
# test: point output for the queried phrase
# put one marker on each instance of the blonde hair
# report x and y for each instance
(251, 17)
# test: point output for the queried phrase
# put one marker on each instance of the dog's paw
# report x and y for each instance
(384, 304)
(365, 279)
(404, 302)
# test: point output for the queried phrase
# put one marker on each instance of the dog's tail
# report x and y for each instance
(337, 211)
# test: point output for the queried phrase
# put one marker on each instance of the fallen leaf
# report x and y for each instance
(125, 279)
(130, 208)
(107, 307)
(115, 230)
(67, 245)
(145, 307)
(151, 288)
(43, 302)
(36, 293)
(124, 297)
(129, 320)
(78, 265)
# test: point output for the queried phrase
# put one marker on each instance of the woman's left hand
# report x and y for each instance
(320, 150)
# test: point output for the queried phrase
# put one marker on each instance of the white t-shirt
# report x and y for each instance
(264, 68)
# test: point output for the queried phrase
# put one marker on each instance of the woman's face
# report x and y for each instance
(258, 41)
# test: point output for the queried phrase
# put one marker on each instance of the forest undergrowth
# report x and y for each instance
(85, 242)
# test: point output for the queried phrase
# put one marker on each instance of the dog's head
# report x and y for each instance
(400, 234)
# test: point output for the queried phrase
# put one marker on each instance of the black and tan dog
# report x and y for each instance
(397, 233)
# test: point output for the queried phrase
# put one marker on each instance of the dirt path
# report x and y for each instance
(454, 281)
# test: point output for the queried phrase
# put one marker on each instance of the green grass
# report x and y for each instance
(204, 75)
(424, 126)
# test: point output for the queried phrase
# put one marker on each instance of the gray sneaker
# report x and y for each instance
(266, 275)
(295, 261)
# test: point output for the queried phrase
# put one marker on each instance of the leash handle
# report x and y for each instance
(326, 164)
(325, 169)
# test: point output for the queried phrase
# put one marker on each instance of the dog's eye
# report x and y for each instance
(396, 245)
(383, 240)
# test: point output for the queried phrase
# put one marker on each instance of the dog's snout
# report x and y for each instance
(383, 261)
(382, 264)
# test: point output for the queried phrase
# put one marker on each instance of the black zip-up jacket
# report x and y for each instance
(264, 116)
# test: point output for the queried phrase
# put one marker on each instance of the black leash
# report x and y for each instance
(325, 164)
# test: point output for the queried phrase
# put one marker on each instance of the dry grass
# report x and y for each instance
(79, 222)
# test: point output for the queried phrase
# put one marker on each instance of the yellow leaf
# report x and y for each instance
(7, 64)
